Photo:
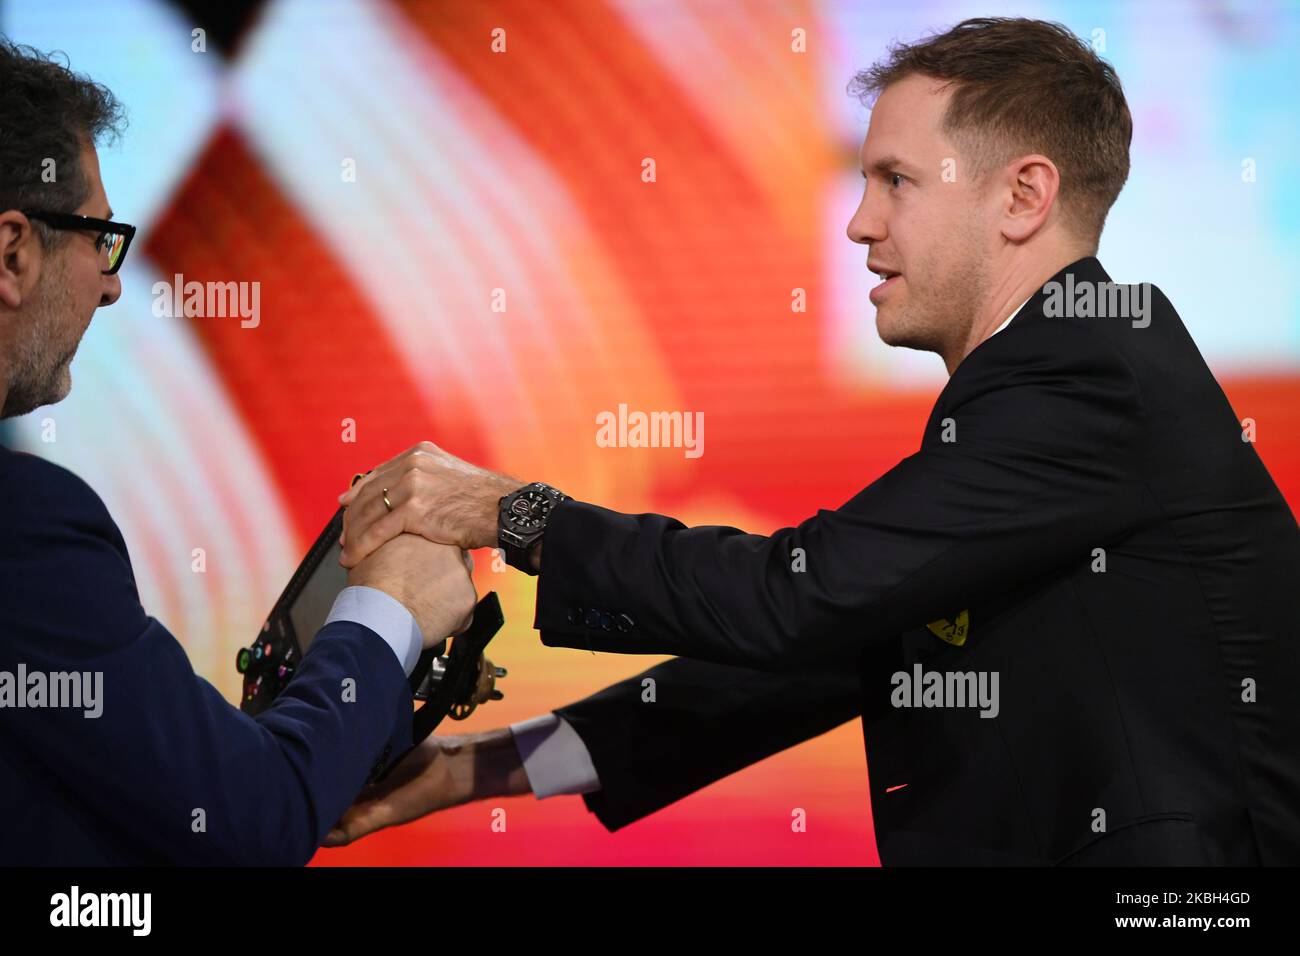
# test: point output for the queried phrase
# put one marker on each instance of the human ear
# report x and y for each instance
(1033, 185)
(20, 258)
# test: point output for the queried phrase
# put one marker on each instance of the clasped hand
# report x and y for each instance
(430, 493)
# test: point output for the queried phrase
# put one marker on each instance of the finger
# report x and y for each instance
(361, 515)
(388, 802)
(379, 470)
(350, 495)
(373, 507)
(360, 546)
(416, 456)
(361, 819)
(469, 618)
(353, 490)
(354, 521)
(357, 485)
(381, 473)
(368, 508)
(399, 482)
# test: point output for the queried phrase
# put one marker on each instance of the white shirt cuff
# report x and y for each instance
(386, 616)
(554, 757)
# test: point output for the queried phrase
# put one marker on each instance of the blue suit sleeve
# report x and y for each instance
(190, 778)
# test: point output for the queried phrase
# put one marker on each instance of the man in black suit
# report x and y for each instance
(1064, 621)
(112, 750)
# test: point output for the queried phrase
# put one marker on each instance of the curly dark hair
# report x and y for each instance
(46, 113)
(1022, 86)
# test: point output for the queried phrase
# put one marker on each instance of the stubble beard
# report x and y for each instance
(940, 311)
(39, 360)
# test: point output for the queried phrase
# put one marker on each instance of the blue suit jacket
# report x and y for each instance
(128, 787)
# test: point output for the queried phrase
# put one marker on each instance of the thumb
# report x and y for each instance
(361, 819)
(358, 481)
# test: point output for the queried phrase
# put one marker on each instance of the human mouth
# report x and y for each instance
(891, 278)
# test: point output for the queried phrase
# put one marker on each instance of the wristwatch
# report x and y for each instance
(521, 521)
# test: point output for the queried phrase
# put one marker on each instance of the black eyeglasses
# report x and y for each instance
(111, 242)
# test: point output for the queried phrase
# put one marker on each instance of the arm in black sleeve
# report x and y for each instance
(654, 743)
(1046, 422)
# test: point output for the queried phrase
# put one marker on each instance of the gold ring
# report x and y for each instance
(387, 504)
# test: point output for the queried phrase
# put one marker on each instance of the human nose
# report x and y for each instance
(867, 225)
(112, 290)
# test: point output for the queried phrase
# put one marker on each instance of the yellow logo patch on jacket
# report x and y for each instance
(954, 632)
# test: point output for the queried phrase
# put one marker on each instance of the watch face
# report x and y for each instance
(529, 510)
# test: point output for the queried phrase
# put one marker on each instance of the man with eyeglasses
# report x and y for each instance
(112, 750)
(111, 238)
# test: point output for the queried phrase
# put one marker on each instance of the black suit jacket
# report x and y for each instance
(124, 787)
(1147, 712)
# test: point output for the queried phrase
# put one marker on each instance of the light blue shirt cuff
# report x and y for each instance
(555, 759)
(386, 616)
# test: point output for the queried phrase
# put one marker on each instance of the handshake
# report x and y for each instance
(408, 529)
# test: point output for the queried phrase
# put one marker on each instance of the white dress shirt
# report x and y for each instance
(386, 616)
(554, 756)
(1007, 320)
